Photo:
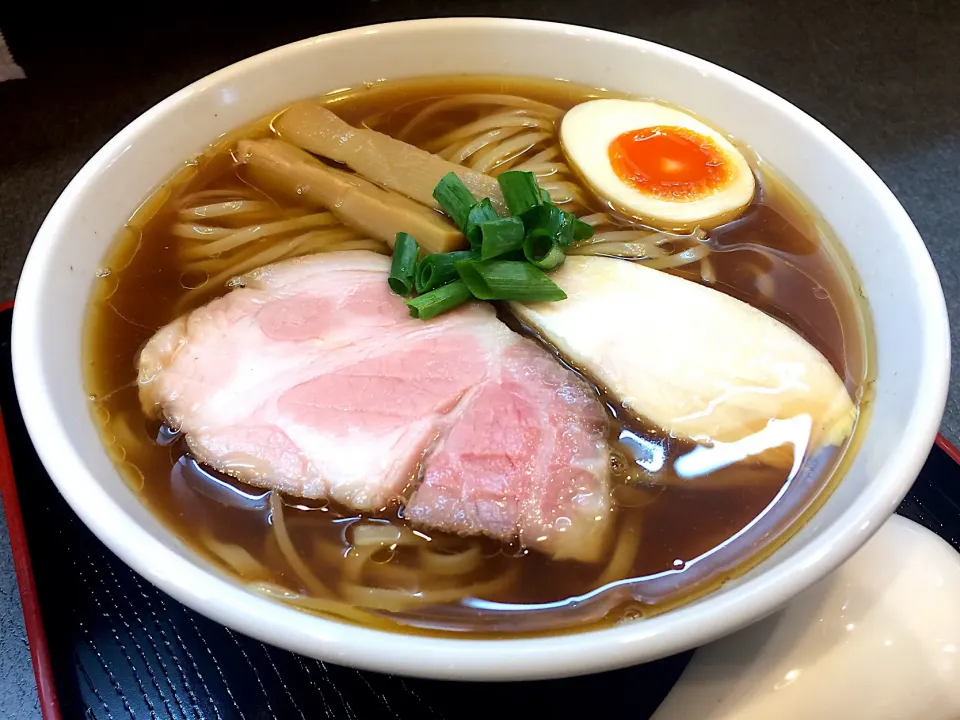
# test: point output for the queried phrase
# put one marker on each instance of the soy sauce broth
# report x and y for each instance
(691, 534)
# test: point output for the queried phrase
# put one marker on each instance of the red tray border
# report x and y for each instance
(39, 651)
(36, 637)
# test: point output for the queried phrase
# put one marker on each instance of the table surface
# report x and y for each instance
(884, 75)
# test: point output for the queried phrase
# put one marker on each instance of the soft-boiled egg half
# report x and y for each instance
(657, 164)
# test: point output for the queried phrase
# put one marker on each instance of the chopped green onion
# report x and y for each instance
(568, 231)
(514, 255)
(582, 231)
(520, 191)
(534, 217)
(437, 269)
(454, 198)
(439, 301)
(560, 226)
(556, 223)
(482, 212)
(501, 236)
(543, 250)
(508, 280)
(404, 264)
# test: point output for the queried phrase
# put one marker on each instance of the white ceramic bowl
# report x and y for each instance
(898, 278)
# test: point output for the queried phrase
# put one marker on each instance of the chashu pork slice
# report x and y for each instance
(313, 379)
(524, 451)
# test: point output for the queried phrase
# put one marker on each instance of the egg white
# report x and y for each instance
(586, 133)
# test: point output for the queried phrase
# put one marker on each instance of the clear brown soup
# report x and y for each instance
(676, 538)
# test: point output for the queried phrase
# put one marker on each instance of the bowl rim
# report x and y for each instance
(571, 653)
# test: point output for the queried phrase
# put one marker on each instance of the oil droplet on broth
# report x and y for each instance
(105, 287)
(101, 414)
(383, 555)
(193, 279)
(131, 474)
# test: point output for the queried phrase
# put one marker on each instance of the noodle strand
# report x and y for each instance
(309, 580)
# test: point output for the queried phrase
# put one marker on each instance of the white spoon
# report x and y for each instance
(879, 638)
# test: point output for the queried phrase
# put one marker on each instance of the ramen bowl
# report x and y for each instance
(897, 277)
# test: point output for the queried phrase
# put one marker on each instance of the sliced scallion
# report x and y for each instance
(582, 231)
(568, 230)
(555, 222)
(508, 280)
(543, 250)
(439, 301)
(560, 226)
(454, 198)
(482, 212)
(438, 269)
(534, 217)
(520, 191)
(501, 236)
(404, 264)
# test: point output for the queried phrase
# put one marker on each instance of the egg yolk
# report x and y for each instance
(671, 163)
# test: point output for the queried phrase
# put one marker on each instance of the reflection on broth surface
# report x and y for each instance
(686, 517)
